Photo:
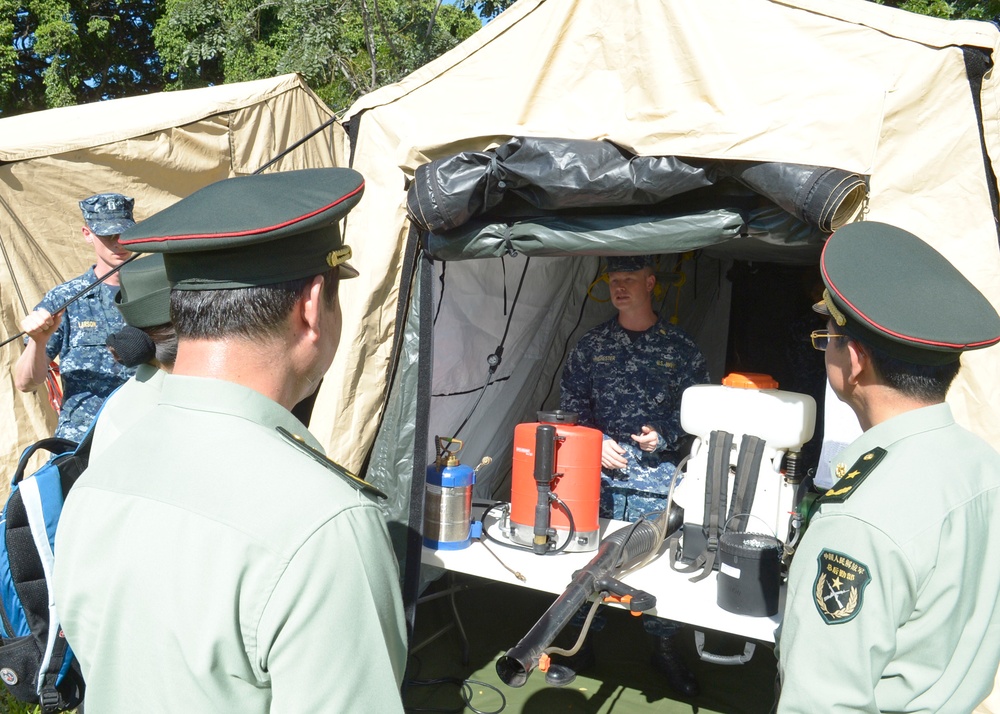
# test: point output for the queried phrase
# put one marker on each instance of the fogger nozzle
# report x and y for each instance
(623, 547)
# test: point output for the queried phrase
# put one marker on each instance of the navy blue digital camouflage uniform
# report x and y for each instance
(88, 370)
(618, 386)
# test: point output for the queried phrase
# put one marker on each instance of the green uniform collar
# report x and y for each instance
(887, 433)
(220, 396)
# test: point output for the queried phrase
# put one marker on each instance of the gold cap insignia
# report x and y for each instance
(836, 314)
(336, 257)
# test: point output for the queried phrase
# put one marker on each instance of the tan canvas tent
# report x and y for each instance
(842, 83)
(157, 149)
(905, 101)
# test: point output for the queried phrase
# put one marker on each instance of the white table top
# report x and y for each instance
(677, 598)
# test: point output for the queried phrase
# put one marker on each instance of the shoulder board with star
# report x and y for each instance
(852, 478)
(322, 459)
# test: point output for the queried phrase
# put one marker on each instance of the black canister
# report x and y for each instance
(750, 574)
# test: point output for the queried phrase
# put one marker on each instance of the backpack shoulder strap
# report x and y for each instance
(42, 509)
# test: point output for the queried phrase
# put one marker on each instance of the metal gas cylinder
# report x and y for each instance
(448, 499)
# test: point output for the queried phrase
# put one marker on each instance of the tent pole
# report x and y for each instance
(414, 538)
(977, 63)
(296, 145)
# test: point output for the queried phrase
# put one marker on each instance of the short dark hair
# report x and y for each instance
(165, 338)
(250, 313)
(928, 383)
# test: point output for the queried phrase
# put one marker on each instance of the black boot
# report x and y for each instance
(667, 660)
(564, 669)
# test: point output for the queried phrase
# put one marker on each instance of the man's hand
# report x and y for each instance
(33, 365)
(40, 325)
(611, 455)
(648, 439)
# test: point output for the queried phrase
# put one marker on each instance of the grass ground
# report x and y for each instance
(497, 616)
(9, 705)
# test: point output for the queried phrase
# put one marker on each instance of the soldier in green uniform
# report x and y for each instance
(212, 558)
(892, 596)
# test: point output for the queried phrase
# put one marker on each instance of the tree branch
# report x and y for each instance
(370, 35)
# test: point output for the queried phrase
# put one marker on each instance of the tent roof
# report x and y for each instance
(846, 84)
(154, 148)
(930, 31)
(56, 131)
(588, 75)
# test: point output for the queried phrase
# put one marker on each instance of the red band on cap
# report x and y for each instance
(255, 231)
(886, 330)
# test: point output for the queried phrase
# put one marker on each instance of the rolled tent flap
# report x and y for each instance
(530, 176)
(585, 235)
(822, 197)
(765, 232)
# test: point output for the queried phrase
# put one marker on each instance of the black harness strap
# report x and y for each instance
(745, 481)
(720, 445)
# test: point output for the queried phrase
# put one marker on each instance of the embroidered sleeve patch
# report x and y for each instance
(851, 479)
(840, 586)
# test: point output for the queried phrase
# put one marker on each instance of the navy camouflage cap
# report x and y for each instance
(107, 214)
(889, 289)
(253, 230)
(144, 293)
(628, 263)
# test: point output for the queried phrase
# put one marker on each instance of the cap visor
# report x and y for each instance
(110, 228)
(821, 308)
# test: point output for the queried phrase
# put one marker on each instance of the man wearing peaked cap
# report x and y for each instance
(259, 573)
(254, 230)
(76, 336)
(892, 592)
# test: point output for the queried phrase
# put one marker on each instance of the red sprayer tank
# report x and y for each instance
(574, 480)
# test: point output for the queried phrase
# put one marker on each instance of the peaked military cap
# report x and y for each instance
(253, 230)
(628, 263)
(891, 290)
(144, 293)
(108, 214)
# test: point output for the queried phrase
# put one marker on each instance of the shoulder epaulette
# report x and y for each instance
(850, 481)
(321, 458)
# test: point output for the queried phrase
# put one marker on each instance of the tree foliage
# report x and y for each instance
(956, 10)
(486, 9)
(61, 52)
(56, 53)
(343, 48)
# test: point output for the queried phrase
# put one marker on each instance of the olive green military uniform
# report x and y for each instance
(129, 402)
(892, 602)
(256, 576)
(211, 558)
(898, 582)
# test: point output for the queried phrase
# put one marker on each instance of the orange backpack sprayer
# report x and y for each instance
(556, 484)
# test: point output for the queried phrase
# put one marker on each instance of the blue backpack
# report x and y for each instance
(36, 663)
